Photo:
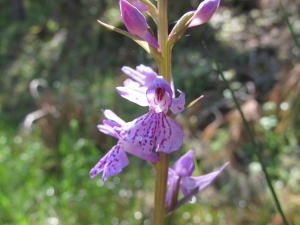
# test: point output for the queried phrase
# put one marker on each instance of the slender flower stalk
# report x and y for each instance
(164, 158)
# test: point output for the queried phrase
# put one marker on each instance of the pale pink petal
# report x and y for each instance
(136, 75)
(149, 74)
(169, 134)
(141, 131)
(107, 130)
(184, 166)
(204, 12)
(129, 83)
(136, 95)
(172, 86)
(112, 116)
(111, 164)
(138, 151)
(171, 175)
(202, 181)
(178, 103)
(184, 190)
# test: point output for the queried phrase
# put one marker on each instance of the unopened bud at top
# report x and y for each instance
(204, 12)
(136, 22)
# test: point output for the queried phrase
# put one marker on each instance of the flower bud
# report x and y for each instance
(138, 4)
(204, 12)
(136, 22)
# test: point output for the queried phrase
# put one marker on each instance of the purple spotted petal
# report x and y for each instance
(178, 103)
(111, 164)
(184, 166)
(169, 134)
(138, 151)
(204, 12)
(141, 131)
(202, 181)
(136, 95)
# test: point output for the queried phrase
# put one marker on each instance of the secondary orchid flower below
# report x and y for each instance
(180, 176)
(155, 126)
(116, 159)
(136, 22)
(204, 12)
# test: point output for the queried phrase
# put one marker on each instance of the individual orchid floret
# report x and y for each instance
(136, 23)
(155, 126)
(158, 96)
(180, 176)
(138, 4)
(204, 12)
(116, 159)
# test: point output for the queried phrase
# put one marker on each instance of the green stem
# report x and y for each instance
(164, 70)
(255, 147)
(160, 188)
(289, 25)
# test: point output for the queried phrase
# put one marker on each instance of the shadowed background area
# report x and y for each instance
(59, 69)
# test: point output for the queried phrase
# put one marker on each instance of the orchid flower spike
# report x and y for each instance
(204, 12)
(181, 174)
(116, 159)
(155, 126)
(136, 23)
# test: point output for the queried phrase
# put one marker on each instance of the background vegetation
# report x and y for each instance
(59, 69)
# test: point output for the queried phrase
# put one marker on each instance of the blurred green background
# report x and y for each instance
(59, 69)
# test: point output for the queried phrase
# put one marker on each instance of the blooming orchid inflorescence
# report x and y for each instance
(156, 134)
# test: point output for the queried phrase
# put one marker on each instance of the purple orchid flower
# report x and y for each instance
(136, 23)
(116, 159)
(204, 12)
(181, 174)
(155, 124)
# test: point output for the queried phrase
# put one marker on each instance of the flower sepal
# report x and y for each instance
(144, 44)
(180, 27)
